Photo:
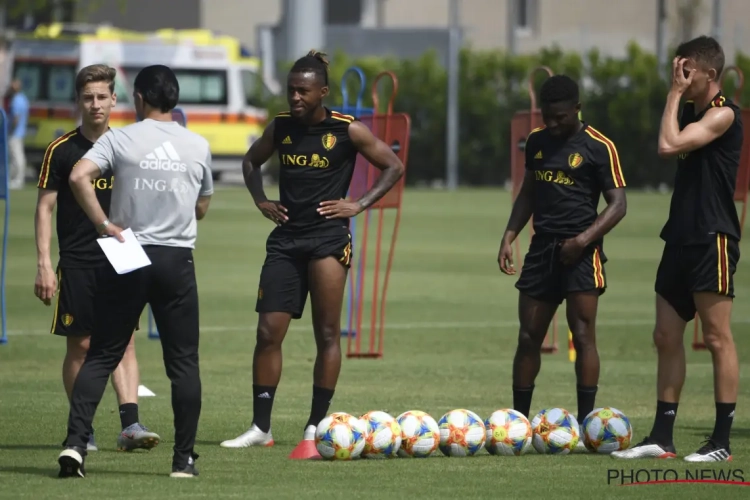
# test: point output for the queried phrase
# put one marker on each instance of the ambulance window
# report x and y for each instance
(202, 86)
(123, 96)
(256, 92)
(31, 79)
(61, 84)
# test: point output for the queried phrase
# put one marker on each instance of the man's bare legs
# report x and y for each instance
(535, 317)
(715, 312)
(327, 278)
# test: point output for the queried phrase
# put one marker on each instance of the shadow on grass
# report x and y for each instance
(52, 472)
(706, 431)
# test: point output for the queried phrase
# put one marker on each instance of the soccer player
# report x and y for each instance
(701, 249)
(310, 250)
(164, 184)
(75, 281)
(569, 164)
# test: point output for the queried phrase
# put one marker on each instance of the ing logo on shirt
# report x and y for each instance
(103, 183)
(313, 160)
(557, 177)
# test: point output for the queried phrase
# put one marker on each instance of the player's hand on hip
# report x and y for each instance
(45, 285)
(505, 259)
(274, 211)
(113, 231)
(681, 78)
(571, 250)
(339, 209)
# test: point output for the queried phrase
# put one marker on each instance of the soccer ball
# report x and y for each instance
(383, 435)
(555, 432)
(508, 433)
(606, 430)
(420, 434)
(461, 433)
(340, 436)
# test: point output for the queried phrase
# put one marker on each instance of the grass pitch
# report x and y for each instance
(450, 340)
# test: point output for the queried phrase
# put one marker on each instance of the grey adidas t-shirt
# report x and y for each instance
(160, 170)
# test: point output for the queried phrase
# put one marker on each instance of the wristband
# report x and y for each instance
(103, 225)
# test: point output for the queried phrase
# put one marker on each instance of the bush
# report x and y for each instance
(621, 97)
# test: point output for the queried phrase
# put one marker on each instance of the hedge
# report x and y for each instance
(621, 97)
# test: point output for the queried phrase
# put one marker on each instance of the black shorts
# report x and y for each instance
(283, 279)
(684, 270)
(544, 277)
(168, 285)
(74, 304)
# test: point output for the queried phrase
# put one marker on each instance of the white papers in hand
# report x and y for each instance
(124, 256)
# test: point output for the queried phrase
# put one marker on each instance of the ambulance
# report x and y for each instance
(222, 90)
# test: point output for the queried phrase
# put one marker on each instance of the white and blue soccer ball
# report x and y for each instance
(340, 436)
(420, 434)
(508, 433)
(383, 435)
(462, 433)
(606, 430)
(555, 431)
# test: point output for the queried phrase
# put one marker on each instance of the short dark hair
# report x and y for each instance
(313, 62)
(559, 88)
(159, 87)
(96, 73)
(705, 50)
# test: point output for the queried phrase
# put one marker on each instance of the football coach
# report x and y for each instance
(162, 186)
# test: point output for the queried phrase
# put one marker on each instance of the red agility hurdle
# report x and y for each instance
(522, 123)
(393, 129)
(743, 180)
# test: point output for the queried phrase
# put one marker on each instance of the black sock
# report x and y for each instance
(522, 399)
(586, 399)
(321, 401)
(128, 414)
(262, 405)
(723, 425)
(666, 413)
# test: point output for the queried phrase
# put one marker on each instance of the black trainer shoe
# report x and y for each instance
(711, 451)
(188, 470)
(648, 448)
(71, 462)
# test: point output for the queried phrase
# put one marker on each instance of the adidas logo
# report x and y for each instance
(288, 140)
(264, 395)
(538, 156)
(670, 412)
(164, 157)
(731, 415)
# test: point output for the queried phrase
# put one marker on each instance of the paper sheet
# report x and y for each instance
(124, 256)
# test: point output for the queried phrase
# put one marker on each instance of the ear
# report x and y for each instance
(712, 75)
(324, 91)
(114, 98)
(578, 108)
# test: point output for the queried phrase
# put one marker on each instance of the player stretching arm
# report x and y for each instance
(701, 249)
(75, 280)
(310, 250)
(569, 164)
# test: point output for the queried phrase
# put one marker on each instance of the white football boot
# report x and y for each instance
(253, 437)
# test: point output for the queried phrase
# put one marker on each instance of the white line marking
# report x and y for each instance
(446, 325)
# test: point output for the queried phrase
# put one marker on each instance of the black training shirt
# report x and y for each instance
(703, 197)
(76, 233)
(569, 177)
(317, 164)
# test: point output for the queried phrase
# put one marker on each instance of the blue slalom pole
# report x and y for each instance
(4, 194)
(356, 110)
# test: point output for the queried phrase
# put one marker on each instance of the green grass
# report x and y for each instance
(450, 340)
